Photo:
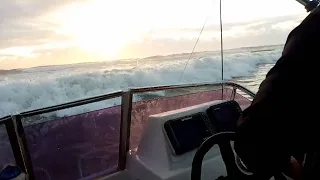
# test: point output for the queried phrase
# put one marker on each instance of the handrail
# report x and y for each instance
(132, 91)
(180, 86)
(3, 120)
(72, 104)
(249, 92)
(170, 87)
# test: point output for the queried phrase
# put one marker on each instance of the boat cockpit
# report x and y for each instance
(175, 132)
(155, 139)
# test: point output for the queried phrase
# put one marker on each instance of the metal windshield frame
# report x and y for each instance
(15, 130)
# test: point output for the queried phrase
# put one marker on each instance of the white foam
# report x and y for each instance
(40, 87)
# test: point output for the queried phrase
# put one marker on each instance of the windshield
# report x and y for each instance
(52, 53)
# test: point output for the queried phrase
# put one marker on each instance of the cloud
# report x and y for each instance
(57, 56)
(255, 33)
(16, 9)
(22, 22)
(234, 29)
(25, 28)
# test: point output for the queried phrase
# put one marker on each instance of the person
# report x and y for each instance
(280, 127)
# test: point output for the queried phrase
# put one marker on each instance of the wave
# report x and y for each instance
(11, 71)
(37, 89)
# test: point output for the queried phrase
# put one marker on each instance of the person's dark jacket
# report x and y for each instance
(284, 117)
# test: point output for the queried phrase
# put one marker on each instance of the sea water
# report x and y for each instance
(87, 144)
(32, 88)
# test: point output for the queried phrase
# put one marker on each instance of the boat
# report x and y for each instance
(121, 141)
(173, 137)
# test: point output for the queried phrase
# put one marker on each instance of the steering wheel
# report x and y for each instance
(223, 139)
(235, 169)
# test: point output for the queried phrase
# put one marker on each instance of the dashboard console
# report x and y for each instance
(188, 133)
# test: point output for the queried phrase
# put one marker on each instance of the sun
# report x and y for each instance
(95, 27)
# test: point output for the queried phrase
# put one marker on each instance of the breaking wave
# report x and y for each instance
(34, 88)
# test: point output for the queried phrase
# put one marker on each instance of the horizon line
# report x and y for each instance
(147, 57)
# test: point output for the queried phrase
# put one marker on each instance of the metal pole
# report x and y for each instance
(14, 142)
(221, 47)
(126, 107)
(234, 92)
(24, 147)
(19, 145)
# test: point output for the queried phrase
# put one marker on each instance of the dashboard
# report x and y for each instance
(187, 133)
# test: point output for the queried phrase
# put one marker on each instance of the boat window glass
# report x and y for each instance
(162, 101)
(75, 143)
(243, 99)
(6, 154)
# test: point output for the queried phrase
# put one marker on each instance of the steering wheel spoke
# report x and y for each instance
(228, 158)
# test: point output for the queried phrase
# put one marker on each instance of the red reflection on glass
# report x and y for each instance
(85, 146)
(242, 101)
(75, 147)
(143, 109)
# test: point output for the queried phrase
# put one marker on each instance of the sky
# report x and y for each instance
(52, 32)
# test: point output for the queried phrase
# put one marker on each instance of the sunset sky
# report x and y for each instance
(50, 32)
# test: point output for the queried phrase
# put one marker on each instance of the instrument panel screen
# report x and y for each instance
(224, 116)
(187, 133)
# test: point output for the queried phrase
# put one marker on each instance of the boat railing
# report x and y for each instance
(15, 129)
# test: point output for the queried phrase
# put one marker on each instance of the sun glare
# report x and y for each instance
(95, 27)
(105, 27)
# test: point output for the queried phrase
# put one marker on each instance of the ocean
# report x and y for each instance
(86, 139)
(33, 88)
